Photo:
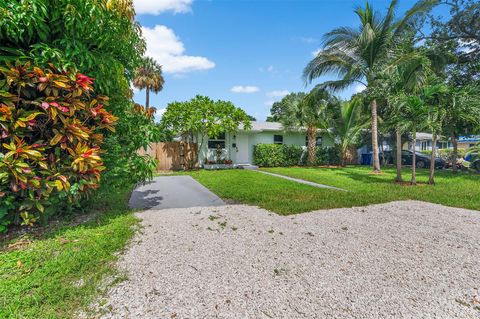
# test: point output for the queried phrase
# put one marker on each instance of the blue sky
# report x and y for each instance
(248, 52)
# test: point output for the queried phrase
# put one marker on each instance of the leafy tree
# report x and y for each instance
(310, 111)
(279, 108)
(149, 77)
(458, 37)
(358, 55)
(95, 37)
(462, 116)
(202, 117)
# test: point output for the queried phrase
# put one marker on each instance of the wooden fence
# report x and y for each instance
(173, 155)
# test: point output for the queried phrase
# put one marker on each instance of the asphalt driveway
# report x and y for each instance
(173, 192)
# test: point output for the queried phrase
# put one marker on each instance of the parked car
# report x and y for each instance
(422, 160)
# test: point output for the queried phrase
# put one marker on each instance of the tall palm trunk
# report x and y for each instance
(431, 178)
(147, 100)
(454, 154)
(399, 155)
(414, 158)
(312, 141)
(376, 158)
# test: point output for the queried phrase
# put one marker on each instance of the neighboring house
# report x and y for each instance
(238, 146)
(467, 141)
(424, 142)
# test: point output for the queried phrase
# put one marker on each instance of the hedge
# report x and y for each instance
(280, 155)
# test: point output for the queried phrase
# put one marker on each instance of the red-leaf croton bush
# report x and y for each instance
(51, 125)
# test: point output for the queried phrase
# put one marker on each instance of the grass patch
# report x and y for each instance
(60, 273)
(287, 197)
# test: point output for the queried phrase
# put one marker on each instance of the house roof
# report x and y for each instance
(424, 136)
(258, 126)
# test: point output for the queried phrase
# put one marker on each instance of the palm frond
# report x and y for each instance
(420, 8)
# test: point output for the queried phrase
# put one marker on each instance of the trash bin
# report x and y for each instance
(366, 159)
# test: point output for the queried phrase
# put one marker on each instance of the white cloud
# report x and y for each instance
(278, 93)
(359, 88)
(156, 7)
(244, 89)
(165, 47)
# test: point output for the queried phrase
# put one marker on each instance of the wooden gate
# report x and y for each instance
(173, 155)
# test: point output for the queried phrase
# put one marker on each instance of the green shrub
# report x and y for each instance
(293, 154)
(51, 128)
(278, 155)
(98, 38)
(426, 152)
(328, 155)
(269, 155)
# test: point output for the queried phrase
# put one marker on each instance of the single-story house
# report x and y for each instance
(238, 146)
(424, 142)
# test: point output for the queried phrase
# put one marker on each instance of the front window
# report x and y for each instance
(278, 139)
(318, 141)
(215, 142)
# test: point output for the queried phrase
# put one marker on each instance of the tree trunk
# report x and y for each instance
(147, 100)
(376, 158)
(431, 178)
(399, 156)
(343, 156)
(454, 154)
(414, 159)
(312, 141)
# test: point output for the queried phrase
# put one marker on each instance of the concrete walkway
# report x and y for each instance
(301, 181)
(173, 192)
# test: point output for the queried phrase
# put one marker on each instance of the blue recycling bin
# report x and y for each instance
(367, 159)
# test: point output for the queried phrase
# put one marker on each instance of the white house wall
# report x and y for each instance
(255, 138)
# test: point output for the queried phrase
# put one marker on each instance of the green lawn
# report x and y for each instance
(58, 274)
(287, 197)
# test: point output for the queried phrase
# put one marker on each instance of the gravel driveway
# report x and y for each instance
(397, 260)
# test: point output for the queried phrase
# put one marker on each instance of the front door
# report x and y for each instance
(243, 156)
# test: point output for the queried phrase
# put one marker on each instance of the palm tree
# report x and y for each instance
(408, 75)
(415, 115)
(149, 77)
(433, 95)
(347, 127)
(309, 111)
(358, 55)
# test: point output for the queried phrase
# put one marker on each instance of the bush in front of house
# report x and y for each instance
(280, 155)
(328, 155)
(51, 132)
(269, 155)
(293, 155)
